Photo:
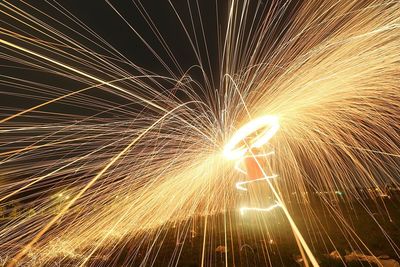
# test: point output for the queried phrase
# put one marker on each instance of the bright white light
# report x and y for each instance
(242, 210)
(271, 123)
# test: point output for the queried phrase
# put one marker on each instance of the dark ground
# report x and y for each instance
(249, 244)
(265, 239)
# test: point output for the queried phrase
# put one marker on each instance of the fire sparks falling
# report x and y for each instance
(132, 167)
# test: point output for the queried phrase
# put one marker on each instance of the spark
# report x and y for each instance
(255, 171)
(153, 156)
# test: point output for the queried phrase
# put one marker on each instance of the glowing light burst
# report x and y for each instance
(262, 130)
(254, 135)
(139, 150)
(267, 125)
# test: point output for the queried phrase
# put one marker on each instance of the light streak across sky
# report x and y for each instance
(99, 146)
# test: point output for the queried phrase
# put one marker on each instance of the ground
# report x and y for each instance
(270, 245)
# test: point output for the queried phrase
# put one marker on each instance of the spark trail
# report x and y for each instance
(100, 150)
(261, 130)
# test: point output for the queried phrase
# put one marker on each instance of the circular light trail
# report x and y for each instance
(268, 124)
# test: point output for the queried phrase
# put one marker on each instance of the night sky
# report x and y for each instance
(165, 38)
(126, 26)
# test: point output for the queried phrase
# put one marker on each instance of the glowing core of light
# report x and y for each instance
(233, 152)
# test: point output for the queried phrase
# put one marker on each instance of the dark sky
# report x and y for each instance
(104, 20)
(205, 23)
(122, 24)
(100, 17)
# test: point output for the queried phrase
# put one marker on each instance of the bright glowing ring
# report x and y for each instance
(232, 152)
